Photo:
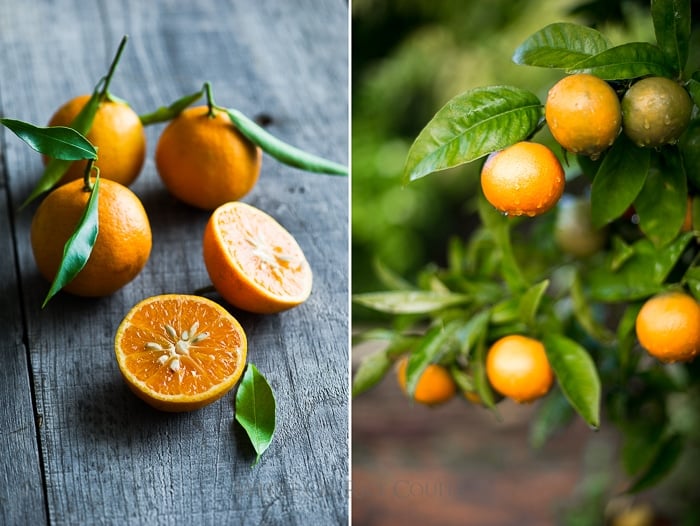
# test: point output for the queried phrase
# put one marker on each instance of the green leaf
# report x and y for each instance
(692, 279)
(59, 142)
(255, 409)
(554, 413)
(672, 27)
(560, 45)
(167, 113)
(664, 461)
(640, 446)
(471, 125)
(409, 302)
(619, 180)
(78, 248)
(693, 86)
(55, 168)
(498, 226)
(474, 330)
(481, 383)
(662, 203)
(641, 275)
(530, 302)
(282, 151)
(430, 349)
(389, 278)
(577, 376)
(627, 337)
(371, 370)
(628, 61)
(584, 313)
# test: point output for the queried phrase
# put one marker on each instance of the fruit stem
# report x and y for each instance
(210, 99)
(87, 183)
(112, 68)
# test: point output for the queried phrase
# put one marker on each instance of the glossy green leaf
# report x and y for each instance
(409, 302)
(255, 409)
(664, 461)
(167, 113)
(618, 182)
(430, 349)
(661, 205)
(472, 125)
(627, 337)
(552, 415)
(560, 45)
(55, 168)
(576, 375)
(371, 370)
(59, 142)
(627, 61)
(640, 276)
(672, 27)
(620, 253)
(282, 151)
(530, 302)
(78, 248)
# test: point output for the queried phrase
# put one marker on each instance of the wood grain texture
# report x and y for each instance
(107, 457)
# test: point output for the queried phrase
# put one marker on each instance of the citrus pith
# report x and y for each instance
(179, 352)
(253, 261)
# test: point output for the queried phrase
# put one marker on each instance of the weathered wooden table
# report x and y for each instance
(76, 447)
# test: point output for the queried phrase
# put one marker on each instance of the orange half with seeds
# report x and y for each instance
(179, 352)
(253, 261)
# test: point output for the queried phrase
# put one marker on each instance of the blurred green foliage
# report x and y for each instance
(409, 58)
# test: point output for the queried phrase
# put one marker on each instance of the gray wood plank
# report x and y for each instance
(108, 458)
(21, 490)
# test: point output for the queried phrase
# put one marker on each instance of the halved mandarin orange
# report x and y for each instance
(253, 261)
(179, 352)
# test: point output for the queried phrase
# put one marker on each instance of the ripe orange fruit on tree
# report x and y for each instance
(204, 160)
(656, 111)
(123, 243)
(525, 178)
(179, 352)
(435, 385)
(583, 113)
(117, 133)
(668, 327)
(517, 367)
(253, 261)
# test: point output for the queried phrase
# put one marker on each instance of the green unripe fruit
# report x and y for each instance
(655, 111)
(574, 232)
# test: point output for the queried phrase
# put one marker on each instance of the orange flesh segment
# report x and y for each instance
(265, 252)
(181, 346)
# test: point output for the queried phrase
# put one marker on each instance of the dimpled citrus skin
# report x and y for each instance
(435, 385)
(205, 161)
(583, 113)
(117, 133)
(523, 179)
(517, 367)
(123, 242)
(668, 327)
(655, 111)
